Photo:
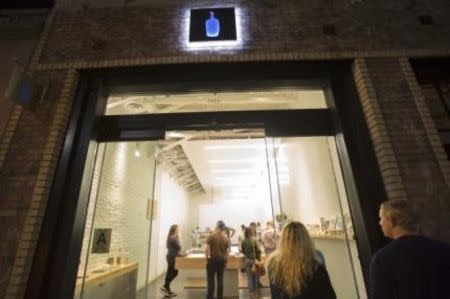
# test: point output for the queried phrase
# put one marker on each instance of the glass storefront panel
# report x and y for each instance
(115, 252)
(193, 179)
(203, 177)
(282, 99)
(311, 190)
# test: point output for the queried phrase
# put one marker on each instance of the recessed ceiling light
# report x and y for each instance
(174, 135)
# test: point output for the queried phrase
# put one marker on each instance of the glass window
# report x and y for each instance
(283, 99)
(193, 179)
(310, 189)
(114, 256)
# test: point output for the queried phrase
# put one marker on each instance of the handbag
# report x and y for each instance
(257, 267)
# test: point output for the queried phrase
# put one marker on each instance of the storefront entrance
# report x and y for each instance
(147, 153)
(193, 179)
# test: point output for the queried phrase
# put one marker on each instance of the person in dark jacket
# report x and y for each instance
(251, 251)
(173, 250)
(294, 272)
(411, 266)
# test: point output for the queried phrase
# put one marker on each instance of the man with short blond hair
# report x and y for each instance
(411, 266)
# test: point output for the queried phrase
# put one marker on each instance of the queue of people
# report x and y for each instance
(411, 266)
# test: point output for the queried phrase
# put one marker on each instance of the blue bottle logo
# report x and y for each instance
(212, 26)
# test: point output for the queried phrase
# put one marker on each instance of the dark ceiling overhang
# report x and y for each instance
(26, 4)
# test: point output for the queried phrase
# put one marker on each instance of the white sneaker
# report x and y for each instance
(165, 291)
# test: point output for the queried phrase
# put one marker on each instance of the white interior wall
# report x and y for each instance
(339, 266)
(125, 187)
(233, 213)
(311, 192)
(91, 207)
(173, 204)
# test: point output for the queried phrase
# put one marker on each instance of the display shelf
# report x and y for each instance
(93, 277)
(329, 236)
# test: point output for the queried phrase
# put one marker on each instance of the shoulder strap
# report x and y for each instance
(253, 247)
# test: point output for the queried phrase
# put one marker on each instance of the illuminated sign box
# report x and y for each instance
(213, 24)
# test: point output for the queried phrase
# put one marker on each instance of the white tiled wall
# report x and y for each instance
(173, 208)
(121, 187)
(125, 185)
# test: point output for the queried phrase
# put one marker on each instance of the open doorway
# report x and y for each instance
(195, 178)
(121, 108)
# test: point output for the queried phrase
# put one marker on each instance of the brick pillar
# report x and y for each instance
(405, 141)
(26, 175)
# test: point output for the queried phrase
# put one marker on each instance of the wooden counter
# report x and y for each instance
(107, 279)
(198, 261)
(102, 276)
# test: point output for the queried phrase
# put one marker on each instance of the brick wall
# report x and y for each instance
(32, 141)
(367, 28)
(411, 161)
(378, 32)
(19, 33)
(434, 96)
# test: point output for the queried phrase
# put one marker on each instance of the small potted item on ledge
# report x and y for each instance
(281, 218)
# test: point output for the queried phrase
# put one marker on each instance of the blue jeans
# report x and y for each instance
(252, 279)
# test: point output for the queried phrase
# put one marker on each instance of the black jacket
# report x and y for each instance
(317, 287)
(411, 267)
(173, 247)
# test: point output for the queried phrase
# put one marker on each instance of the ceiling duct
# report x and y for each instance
(172, 156)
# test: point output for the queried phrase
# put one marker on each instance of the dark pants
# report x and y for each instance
(215, 265)
(171, 271)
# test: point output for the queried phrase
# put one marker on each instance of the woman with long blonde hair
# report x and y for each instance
(293, 270)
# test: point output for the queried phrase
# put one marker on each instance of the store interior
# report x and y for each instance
(195, 178)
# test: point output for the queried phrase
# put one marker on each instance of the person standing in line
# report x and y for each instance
(229, 232)
(293, 271)
(251, 252)
(268, 238)
(411, 266)
(254, 231)
(217, 250)
(258, 230)
(173, 250)
(256, 238)
(241, 235)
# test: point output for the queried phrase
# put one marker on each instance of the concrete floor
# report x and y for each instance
(177, 286)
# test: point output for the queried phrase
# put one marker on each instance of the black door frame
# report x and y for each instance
(54, 268)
